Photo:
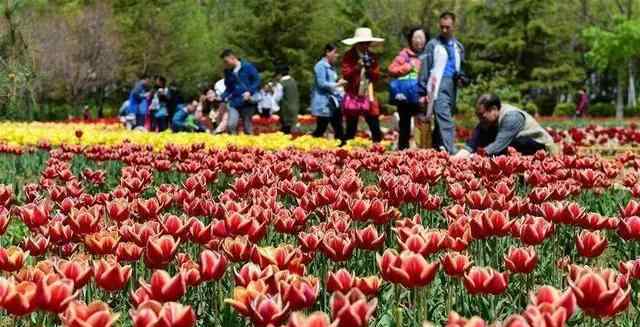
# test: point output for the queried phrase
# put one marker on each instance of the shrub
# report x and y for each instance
(531, 108)
(565, 109)
(602, 109)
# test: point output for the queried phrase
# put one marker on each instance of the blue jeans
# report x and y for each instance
(246, 113)
(444, 133)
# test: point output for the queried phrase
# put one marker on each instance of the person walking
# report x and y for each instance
(361, 69)
(137, 101)
(582, 106)
(290, 100)
(242, 87)
(406, 66)
(159, 106)
(440, 76)
(326, 96)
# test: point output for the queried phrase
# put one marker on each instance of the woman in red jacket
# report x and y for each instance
(361, 69)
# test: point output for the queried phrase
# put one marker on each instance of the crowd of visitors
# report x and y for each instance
(426, 76)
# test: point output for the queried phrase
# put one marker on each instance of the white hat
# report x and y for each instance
(362, 34)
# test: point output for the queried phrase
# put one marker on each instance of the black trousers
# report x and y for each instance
(406, 113)
(336, 123)
(374, 127)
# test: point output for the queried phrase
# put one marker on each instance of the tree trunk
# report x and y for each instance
(620, 96)
(631, 99)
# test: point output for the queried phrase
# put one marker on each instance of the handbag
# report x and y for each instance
(354, 105)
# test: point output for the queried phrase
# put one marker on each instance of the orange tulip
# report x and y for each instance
(20, 299)
(102, 243)
(96, 314)
(12, 258)
(316, 319)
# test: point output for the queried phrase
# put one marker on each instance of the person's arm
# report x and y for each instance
(277, 93)
(374, 70)
(254, 79)
(511, 125)
(472, 142)
(400, 66)
(349, 67)
(321, 75)
(227, 85)
(425, 70)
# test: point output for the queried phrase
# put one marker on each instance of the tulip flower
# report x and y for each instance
(110, 275)
(159, 251)
(12, 258)
(534, 230)
(164, 288)
(118, 210)
(425, 242)
(521, 260)
(409, 269)
(455, 320)
(102, 243)
(309, 242)
(631, 209)
(338, 246)
(35, 215)
(77, 269)
(20, 299)
(96, 314)
(54, 294)
(6, 195)
(455, 264)
(591, 244)
(551, 297)
(37, 246)
(485, 281)
(237, 249)
(369, 286)
(630, 268)
(147, 209)
(85, 221)
(212, 265)
(342, 281)
(600, 293)
(128, 252)
(487, 223)
(369, 238)
(156, 314)
(352, 309)
(300, 292)
(4, 220)
(629, 228)
(251, 272)
(316, 319)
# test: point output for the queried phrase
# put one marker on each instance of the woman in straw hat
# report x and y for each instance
(361, 69)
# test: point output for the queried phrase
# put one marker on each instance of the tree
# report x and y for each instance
(615, 50)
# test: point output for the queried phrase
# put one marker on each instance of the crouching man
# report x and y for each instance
(502, 126)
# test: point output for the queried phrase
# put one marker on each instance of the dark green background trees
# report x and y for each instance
(74, 52)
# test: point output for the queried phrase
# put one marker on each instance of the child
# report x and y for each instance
(184, 119)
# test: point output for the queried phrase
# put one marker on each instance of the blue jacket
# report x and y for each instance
(179, 119)
(247, 80)
(325, 85)
(135, 97)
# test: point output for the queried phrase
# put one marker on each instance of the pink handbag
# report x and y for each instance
(353, 105)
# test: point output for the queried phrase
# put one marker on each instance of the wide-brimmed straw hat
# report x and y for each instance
(362, 34)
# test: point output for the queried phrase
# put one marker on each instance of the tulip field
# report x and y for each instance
(102, 228)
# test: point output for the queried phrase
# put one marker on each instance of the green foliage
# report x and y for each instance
(532, 108)
(565, 109)
(613, 48)
(602, 109)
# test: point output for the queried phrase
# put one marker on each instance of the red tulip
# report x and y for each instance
(251, 272)
(110, 275)
(549, 296)
(591, 244)
(316, 319)
(629, 228)
(198, 232)
(485, 281)
(600, 293)
(455, 320)
(159, 251)
(96, 314)
(368, 238)
(300, 293)
(11, 258)
(268, 310)
(342, 281)
(118, 210)
(77, 269)
(60, 233)
(54, 294)
(36, 215)
(409, 269)
(20, 299)
(237, 249)
(148, 209)
(6, 195)
(455, 264)
(37, 246)
(521, 260)
(338, 246)
(309, 242)
(212, 265)
(631, 209)
(352, 309)
(630, 268)
(489, 223)
(424, 242)
(85, 221)
(128, 252)
(174, 226)
(4, 220)
(368, 285)
(164, 288)
(156, 314)
(102, 243)
(534, 230)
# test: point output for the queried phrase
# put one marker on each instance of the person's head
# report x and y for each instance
(282, 70)
(192, 106)
(210, 94)
(363, 46)
(145, 80)
(417, 39)
(331, 52)
(488, 109)
(161, 82)
(229, 58)
(447, 24)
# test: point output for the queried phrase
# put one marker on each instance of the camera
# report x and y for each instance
(461, 79)
(367, 60)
